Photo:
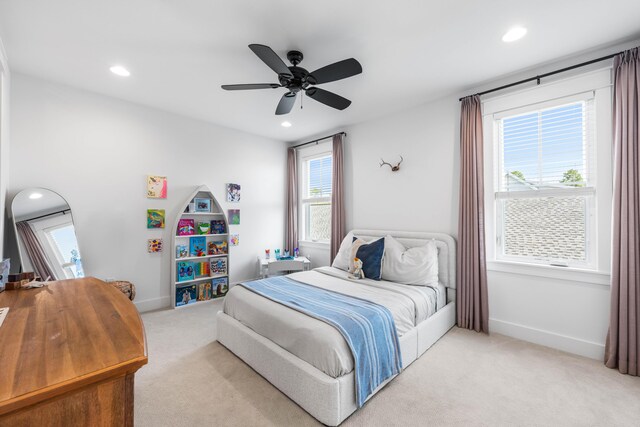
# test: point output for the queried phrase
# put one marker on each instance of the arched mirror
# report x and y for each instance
(45, 235)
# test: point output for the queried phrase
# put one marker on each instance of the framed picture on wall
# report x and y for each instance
(156, 187)
(234, 216)
(154, 245)
(233, 192)
(155, 218)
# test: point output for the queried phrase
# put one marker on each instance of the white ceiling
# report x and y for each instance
(24, 207)
(179, 52)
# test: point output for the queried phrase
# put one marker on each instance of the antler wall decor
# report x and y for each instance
(395, 168)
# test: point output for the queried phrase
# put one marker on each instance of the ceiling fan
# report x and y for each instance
(296, 79)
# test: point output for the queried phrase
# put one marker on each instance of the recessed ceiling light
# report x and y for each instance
(516, 33)
(34, 196)
(285, 124)
(119, 70)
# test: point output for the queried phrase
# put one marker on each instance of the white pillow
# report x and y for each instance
(413, 266)
(343, 256)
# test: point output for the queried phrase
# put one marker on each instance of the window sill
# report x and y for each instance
(312, 244)
(562, 273)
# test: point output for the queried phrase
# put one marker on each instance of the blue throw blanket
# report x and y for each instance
(367, 327)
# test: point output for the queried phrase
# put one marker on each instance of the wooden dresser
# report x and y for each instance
(68, 355)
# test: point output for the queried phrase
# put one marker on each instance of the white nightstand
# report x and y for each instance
(273, 265)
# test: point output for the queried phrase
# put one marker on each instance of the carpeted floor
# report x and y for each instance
(465, 379)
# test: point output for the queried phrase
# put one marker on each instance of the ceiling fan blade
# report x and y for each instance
(269, 57)
(336, 71)
(251, 86)
(286, 103)
(328, 98)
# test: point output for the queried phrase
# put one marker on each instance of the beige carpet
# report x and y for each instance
(465, 379)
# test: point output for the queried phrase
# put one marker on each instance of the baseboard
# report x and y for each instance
(165, 302)
(549, 339)
(153, 304)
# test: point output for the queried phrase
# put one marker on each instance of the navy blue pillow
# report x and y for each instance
(371, 256)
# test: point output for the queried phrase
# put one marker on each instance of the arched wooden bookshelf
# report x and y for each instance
(207, 254)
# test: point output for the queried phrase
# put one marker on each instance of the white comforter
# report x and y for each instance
(316, 342)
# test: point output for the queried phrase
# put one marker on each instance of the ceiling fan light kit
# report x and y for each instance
(296, 79)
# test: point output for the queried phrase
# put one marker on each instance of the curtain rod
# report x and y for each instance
(319, 139)
(541, 76)
(64, 212)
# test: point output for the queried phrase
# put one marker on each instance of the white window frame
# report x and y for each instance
(42, 228)
(304, 155)
(598, 85)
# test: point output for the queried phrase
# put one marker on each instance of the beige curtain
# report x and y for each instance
(471, 297)
(622, 349)
(337, 196)
(291, 238)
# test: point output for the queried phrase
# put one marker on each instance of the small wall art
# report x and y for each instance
(233, 192)
(234, 216)
(202, 205)
(234, 239)
(155, 218)
(154, 245)
(156, 187)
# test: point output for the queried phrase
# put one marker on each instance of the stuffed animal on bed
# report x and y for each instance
(357, 269)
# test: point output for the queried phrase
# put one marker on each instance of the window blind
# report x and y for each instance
(320, 177)
(547, 149)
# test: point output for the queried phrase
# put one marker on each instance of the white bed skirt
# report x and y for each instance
(329, 400)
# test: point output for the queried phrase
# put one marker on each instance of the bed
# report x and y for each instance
(309, 360)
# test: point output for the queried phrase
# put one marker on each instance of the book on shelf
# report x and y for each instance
(182, 251)
(186, 295)
(218, 226)
(217, 248)
(186, 227)
(204, 227)
(185, 271)
(204, 291)
(218, 265)
(202, 269)
(197, 246)
(219, 287)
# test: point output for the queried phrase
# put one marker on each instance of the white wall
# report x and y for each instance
(96, 152)
(422, 195)
(4, 136)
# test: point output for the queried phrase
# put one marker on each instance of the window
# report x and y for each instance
(316, 177)
(62, 239)
(548, 178)
(57, 236)
(546, 185)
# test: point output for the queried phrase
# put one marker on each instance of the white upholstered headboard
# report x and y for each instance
(446, 249)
